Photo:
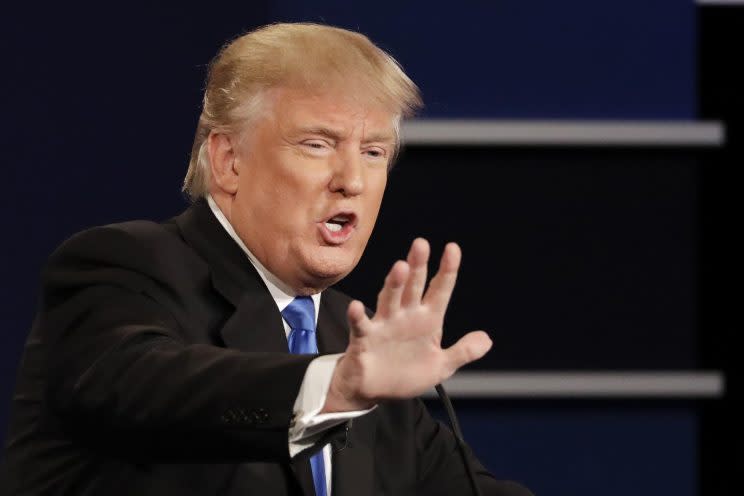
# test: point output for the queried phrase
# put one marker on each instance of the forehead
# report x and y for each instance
(293, 107)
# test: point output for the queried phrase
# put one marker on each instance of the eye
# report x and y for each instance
(376, 152)
(317, 146)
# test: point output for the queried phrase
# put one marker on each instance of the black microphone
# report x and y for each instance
(458, 436)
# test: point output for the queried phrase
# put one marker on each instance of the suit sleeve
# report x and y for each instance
(121, 376)
(441, 468)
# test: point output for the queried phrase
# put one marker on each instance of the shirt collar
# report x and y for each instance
(280, 292)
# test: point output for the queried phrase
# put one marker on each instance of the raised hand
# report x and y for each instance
(398, 352)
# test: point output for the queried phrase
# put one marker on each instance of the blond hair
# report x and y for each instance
(303, 55)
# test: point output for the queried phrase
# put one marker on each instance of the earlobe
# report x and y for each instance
(222, 162)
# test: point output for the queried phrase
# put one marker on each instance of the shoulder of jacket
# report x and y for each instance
(135, 234)
(148, 248)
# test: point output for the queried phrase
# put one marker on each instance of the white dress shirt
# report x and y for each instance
(308, 423)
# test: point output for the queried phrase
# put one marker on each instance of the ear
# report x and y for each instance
(222, 162)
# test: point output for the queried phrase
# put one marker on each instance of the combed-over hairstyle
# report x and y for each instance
(303, 55)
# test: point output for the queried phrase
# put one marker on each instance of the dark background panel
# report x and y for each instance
(595, 448)
(573, 259)
(532, 58)
(721, 97)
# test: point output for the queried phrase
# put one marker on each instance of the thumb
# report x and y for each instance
(468, 348)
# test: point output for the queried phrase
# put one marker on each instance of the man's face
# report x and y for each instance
(312, 173)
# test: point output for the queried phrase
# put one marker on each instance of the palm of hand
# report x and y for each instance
(398, 353)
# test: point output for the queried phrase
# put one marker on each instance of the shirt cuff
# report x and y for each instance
(308, 424)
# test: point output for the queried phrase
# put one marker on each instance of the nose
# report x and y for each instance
(348, 174)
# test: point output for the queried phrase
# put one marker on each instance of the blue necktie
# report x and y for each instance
(300, 315)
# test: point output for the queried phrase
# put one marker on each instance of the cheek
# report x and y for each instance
(279, 193)
(376, 190)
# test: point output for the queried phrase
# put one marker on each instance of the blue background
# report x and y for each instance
(591, 59)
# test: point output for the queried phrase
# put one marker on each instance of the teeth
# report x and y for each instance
(333, 227)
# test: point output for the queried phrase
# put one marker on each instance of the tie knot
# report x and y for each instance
(300, 314)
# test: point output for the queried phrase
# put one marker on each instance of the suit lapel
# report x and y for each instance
(256, 324)
(332, 330)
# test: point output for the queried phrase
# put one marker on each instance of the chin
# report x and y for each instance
(331, 268)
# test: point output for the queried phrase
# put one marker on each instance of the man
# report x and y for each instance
(159, 362)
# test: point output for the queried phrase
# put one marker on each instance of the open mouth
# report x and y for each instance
(337, 223)
(339, 228)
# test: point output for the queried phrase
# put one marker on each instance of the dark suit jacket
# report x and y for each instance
(158, 364)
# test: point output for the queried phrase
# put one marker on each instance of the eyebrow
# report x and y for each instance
(380, 138)
(338, 135)
(323, 131)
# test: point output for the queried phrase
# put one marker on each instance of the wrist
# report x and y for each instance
(342, 396)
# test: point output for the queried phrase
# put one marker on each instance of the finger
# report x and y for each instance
(468, 348)
(357, 317)
(441, 286)
(418, 258)
(388, 299)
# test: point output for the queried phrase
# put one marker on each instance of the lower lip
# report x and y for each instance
(338, 237)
